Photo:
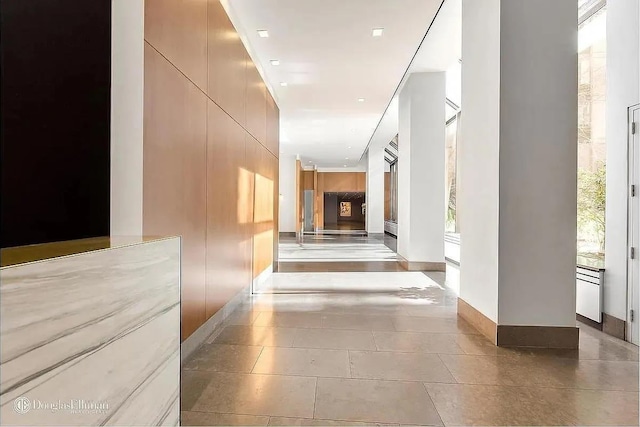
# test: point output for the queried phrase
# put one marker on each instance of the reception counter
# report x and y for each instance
(90, 333)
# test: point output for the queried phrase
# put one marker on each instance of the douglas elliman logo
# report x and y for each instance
(23, 405)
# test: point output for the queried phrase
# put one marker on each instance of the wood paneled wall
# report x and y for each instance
(307, 180)
(211, 141)
(328, 182)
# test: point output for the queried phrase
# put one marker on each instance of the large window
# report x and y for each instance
(451, 144)
(452, 115)
(592, 50)
(394, 191)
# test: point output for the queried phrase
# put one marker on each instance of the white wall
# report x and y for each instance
(421, 174)
(375, 190)
(538, 171)
(478, 155)
(127, 119)
(623, 87)
(287, 182)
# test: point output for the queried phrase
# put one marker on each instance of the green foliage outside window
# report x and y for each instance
(591, 211)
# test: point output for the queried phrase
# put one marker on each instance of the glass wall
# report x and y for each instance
(394, 191)
(592, 52)
(452, 115)
(451, 144)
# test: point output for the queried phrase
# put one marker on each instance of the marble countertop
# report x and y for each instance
(38, 252)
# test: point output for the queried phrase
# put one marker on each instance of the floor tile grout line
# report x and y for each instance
(433, 403)
(360, 349)
(447, 368)
(408, 381)
(315, 399)
(356, 330)
(257, 359)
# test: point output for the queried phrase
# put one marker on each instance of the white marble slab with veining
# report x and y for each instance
(101, 326)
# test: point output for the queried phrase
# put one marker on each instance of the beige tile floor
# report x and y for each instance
(387, 348)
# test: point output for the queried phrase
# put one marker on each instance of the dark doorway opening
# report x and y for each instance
(344, 211)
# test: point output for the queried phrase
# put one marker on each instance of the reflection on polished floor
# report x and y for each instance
(335, 248)
(363, 348)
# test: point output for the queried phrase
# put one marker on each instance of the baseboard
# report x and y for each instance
(519, 336)
(613, 326)
(421, 266)
(580, 318)
(262, 277)
(213, 326)
(563, 337)
(452, 261)
(375, 234)
(287, 234)
(482, 323)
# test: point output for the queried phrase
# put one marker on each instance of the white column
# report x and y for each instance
(375, 191)
(287, 197)
(517, 160)
(127, 104)
(421, 172)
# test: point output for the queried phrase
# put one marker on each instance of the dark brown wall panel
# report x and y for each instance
(227, 64)
(175, 136)
(178, 30)
(229, 210)
(256, 113)
(54, 130)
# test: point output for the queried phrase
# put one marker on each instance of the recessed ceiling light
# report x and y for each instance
(360, 99)
(283, 84)
(346, 158)
(263, 33)
(349, 147)
(377, 32)
(345, 166)
(275, 62)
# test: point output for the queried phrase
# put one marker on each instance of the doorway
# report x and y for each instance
(344, 211)
(633, 276)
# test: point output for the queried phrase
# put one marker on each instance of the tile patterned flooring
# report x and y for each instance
(335, 248)
(387, 348)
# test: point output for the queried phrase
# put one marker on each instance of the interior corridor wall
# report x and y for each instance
(623, 90)
(375, 190)
(210, 153)
(287, 202)
(127, 106)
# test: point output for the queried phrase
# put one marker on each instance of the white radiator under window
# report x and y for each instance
(589, 287)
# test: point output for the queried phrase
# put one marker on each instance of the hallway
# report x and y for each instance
(364, 348)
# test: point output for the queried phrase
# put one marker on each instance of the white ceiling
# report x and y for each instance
(440, 51)
(329, 59)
